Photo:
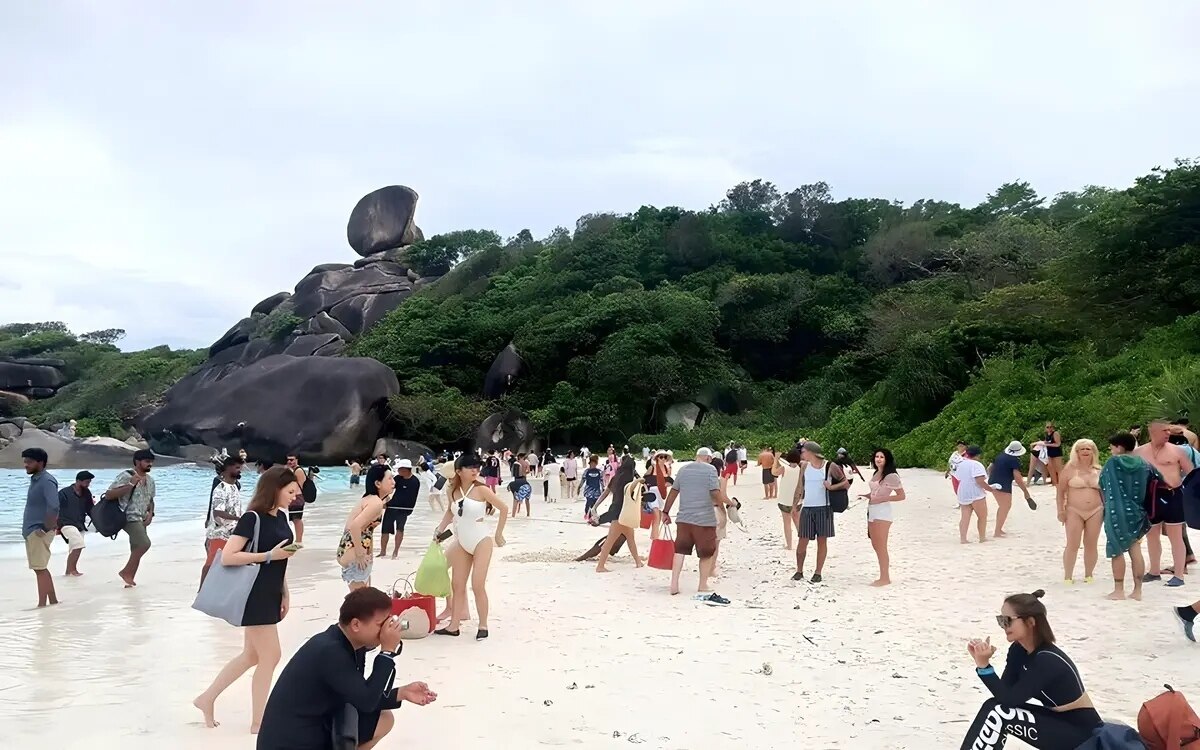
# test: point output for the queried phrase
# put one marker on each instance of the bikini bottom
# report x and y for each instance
(1085, 515)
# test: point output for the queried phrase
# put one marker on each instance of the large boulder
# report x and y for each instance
(35, 378)
(325, 409)
(397, 448)
(510, 430)
(324, 290)
(505, 369)
(270, 303)
(382, 220)
(71, 453)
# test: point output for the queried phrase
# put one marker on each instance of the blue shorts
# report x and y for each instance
(355, 573)
(522, 493)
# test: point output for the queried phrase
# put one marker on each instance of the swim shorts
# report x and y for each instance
(768, 477)
(1168, 506)
(689, 536)
(394, 520)
(138, 538)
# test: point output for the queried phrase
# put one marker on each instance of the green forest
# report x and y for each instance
(859, 322)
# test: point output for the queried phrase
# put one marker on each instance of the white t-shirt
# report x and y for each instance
(968, 489)
(955, 459)
(742, 455)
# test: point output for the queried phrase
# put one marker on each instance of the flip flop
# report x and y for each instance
(1032, 504)
(481, 634)
(446, 631)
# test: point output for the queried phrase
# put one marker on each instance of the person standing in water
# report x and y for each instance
(1081, 508)
(296, 511)
(1123, 482)
(355, 471)
(134, 491)
(40, 521)
(1174, 465)
(75, 504)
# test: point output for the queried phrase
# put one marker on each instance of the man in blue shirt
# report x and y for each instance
(40, 521)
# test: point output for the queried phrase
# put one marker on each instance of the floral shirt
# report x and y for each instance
(226, 498)
(138, 502)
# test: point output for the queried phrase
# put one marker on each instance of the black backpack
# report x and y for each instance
(839, 500)
(309, 488)
(107, 517)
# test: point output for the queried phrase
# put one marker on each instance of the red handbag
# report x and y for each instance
(410, 600)
(647, 520)
(662, 551)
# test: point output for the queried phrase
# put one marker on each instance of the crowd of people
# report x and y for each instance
(1138, 493)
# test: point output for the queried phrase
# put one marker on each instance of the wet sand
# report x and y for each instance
(576, 659)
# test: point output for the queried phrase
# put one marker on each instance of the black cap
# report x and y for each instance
(974, 450)
(83, 476)
(143, 454)
(467, 461)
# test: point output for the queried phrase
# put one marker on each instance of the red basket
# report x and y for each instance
(410, 598)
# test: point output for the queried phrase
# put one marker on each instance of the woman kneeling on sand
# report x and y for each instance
(1080, 508)
(1035, 668)
(264, 521)
(885, 490)
(470, 549)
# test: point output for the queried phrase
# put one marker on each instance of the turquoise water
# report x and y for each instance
(182, 501)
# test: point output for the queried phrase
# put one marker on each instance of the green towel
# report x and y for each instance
(1123, 482)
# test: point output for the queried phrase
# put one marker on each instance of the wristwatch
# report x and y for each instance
(388, 654)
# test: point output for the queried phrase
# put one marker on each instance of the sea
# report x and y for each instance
(179, 508)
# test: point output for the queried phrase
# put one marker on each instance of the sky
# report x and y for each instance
(164, 166)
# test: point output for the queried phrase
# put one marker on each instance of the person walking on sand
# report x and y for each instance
(1004, 471)
(1081, 508)
(327, 673)
(625, 512)
(355, 471)
(698, 490)
(810, 508)
(74, 506)
(521, 489)
(973, 490)
(224, 511)
(354, 551)
(296, 511)
(956, 457)
(269, 600)
(134, 490)
(1123, 483)
(40, 521)
(571, 474)
(766, 462)
(1168, 518)
(787, 466)
(400, 506)
(593, 486)
(1054, 451)
(885, 490)
(470, 549)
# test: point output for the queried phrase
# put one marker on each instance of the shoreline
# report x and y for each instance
(850, 665)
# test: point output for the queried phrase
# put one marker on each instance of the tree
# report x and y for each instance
(438, 254)
(755, 197)
(105, 336)
(1012, 199)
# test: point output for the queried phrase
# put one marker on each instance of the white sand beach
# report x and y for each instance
(590, 661)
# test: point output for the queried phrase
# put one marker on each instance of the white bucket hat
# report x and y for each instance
(1015, 448)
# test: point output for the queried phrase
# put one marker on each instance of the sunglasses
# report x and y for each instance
(1005, 620)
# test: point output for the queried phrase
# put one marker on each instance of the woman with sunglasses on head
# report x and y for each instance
(470, 549)
(1035, 668)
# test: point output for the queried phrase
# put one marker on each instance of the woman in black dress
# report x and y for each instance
(268, 601)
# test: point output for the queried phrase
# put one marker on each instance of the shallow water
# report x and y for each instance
(182, 501)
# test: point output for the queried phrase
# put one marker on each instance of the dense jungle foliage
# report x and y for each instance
(857, 321)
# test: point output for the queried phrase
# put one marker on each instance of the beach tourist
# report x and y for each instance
(1123, 482)
(625, 511)
(40, 521)
(531, 459)
(1080, 508)
(355, 471)
(520, 487)
(842, 459)
(326, 674)
(269, 599)
(1174, 465)
(470, 549)
(972, 490)
(571, 474)
(810, 508)
(296, 511)
(1038, 471)
(433, 482)
(74, 506)
(134, 491)
(698, 490)
(1052, 440)
(552, 483)
(400, 505)
(491, 470)
(655, 502)
(956, 457)
(743, 458)
(1003, 472)
(354, 551)
(593, 486)
(1035, 668)
(730, 471)
(661, 472)
(885, 490)
(611, 464)
(766, 462)
(787, 471)
(1187, 619)
(382, 459)
(224, 511)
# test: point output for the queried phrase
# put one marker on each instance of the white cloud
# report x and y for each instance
(164, 167)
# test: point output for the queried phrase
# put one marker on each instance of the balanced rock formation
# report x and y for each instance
(384, 219)
(31, 377)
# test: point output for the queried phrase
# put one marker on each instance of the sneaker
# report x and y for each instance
(1150, 577)
(1175, 582)
(1188, 626)
(716, 600)
(816, 578)
(797, 576)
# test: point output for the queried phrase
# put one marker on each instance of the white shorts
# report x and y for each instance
(73, 538)
(879, 512)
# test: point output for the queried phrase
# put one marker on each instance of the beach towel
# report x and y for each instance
(1124, 481)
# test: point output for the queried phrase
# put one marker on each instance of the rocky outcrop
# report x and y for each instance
(324, 409)
(384, 219)
(31, 377)
(510, 430)
(67, 453)
(505, 370)
(397, 448)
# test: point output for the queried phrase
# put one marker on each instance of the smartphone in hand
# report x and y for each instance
(293, 547)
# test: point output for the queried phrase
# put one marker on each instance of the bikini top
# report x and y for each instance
(1078, 482)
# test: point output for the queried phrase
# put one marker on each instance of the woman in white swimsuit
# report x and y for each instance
(470, 549)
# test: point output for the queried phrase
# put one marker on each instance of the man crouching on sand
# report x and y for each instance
(307, 704)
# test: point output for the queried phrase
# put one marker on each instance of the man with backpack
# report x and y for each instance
(134, 489)
(308, 493)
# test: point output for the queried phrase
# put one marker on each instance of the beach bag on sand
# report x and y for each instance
(1167, 722)
(662, 551)
(433, 574)
(420, 610)
(227, 587)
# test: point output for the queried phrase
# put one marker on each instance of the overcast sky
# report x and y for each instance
(163, 169)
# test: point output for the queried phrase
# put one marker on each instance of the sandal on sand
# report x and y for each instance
(446, 631)
(1032, 504)
(481, 634)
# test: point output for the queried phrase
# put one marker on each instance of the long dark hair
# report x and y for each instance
(269, 485)
(625, 472)
(375, 475)
(1030, 607)
(889, 462)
